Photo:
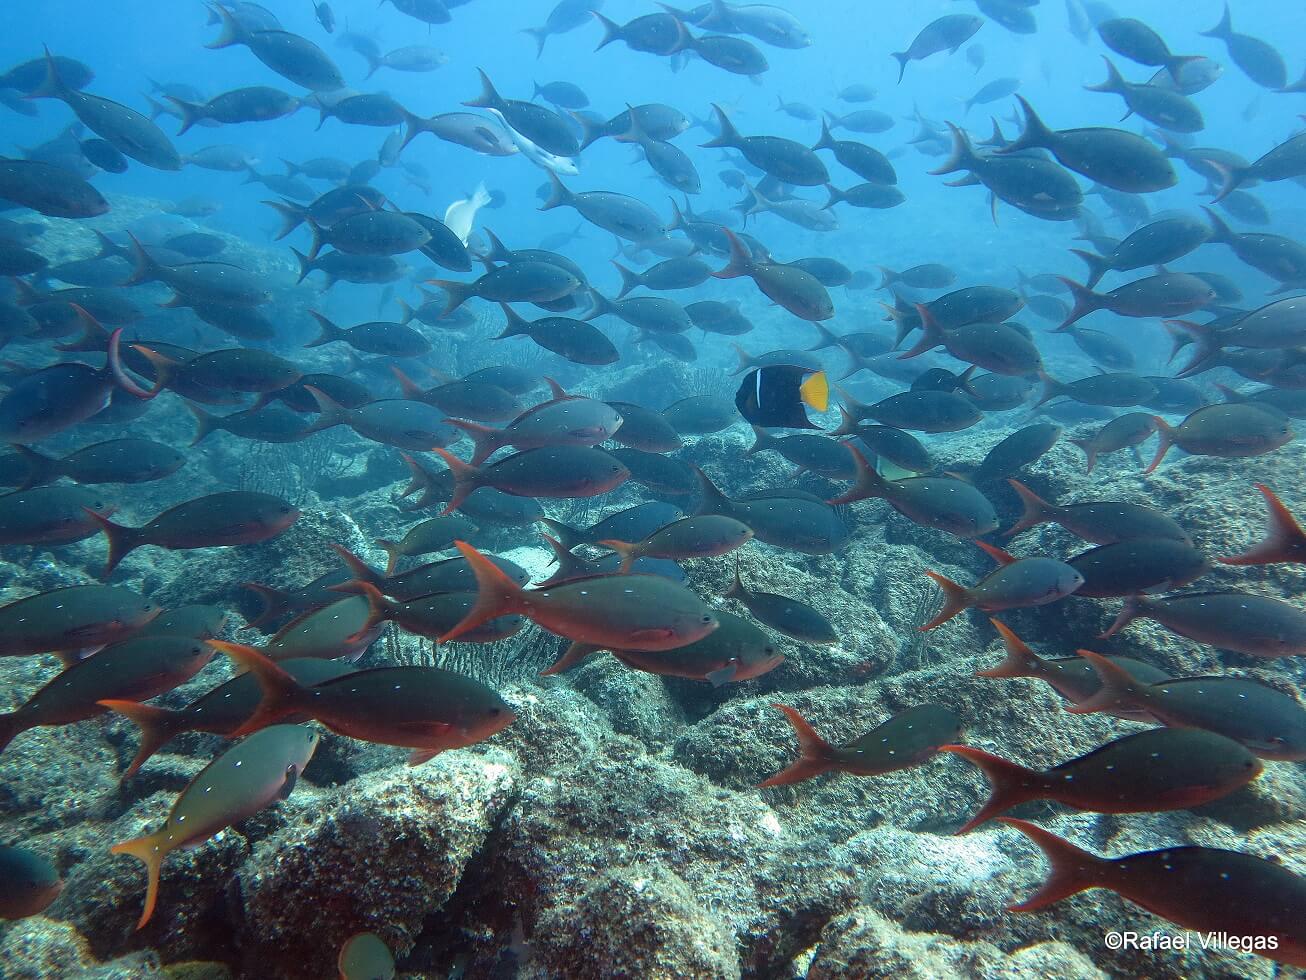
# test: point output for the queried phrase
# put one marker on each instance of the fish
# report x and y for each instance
(1102, 522)
(518, 282)
(735, 651)
(560, 470)
(564, 420)
(256, 103)
(702, 536)
(1073, 678)
(428, 537)
(1018, 450)
(289, 55)
(32, 882)
(1189, 886)
(782, 158)
(628, 612)
(1166, 295)
(224, 519)
(943, 503)
(543, 127)
(1270, 723)
(1136, 41)
(125, 129)
(1144, 772)
(908, 739)
(135, 669)
(1157, 243)
(792, 617)
(248, 777)
(865, 161)
(1231, 431)
(365, 956)
(1259, 626)
(1118, 159)
(1258, 59)
(775, 396)
(1122, 432)
(1137, 564)
(542, 158)
(799, 292)
(376, 337)
(1016, 583)
(73, 618)
(947, 33)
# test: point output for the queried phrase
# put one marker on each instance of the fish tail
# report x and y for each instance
(122, 540)
(232, 32)
(868, 483)
(1131, 610)
(407, 386)
(330, 411)
(392, 554)
(1090, 451)
(762, 441)
(711, 499)
(317, 240)
(541, 35)
(275, 603)
(517, 325)
(42, 469)
(816, 754)
(108, 247)
(1220, 230)
(465, 479)
(902, 57)
(10, 726)
(458, 292)
(415, 126)
(955, 599)
(150, 851)
(1231, 178)
(143, 267)
(931, 334)
(379, 608)
(569, 566)
(1165, 433)
(1035, 133)
(1114, 80)
(1222, 30)
(328, 332)
(729, 135)
(628, 550)
(205, 423)
(737, 589)
(1020, 661)
(1009, 784)
(305, 264)
(559, 195)
(1086, 301)
(611, 30)
(496, 593)
(962, 157)
(408, 314)
(1184, 333)
(1118, 690)
(1037, 510)
(191, 113)
(292, 216)
(361, 570)
(574, 654)
(815, 391)
(157, 725)
(565, 536)
(282, 694)
(1073, 870)
(486, 440)
(421, 479)
(741, 262)
(1098, 266)
(629, 280)
(113, 350)
(1284, 539)
(826, 142)
(52, 86)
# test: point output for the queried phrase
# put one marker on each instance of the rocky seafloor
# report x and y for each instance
(615, 829)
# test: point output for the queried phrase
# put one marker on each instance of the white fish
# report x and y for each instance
(563, 166)
(461, 214)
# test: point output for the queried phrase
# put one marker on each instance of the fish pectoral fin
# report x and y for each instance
(288, 786)
(722, 675)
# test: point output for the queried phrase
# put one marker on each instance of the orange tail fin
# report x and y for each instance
(496, 595)
(1073, 870)
(816, 754)
(1010, 784)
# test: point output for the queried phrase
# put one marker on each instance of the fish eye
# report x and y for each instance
(707, 619)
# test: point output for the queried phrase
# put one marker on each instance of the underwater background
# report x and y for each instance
(451, 735)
